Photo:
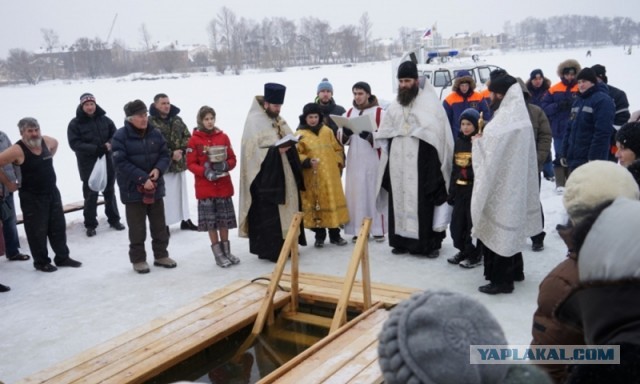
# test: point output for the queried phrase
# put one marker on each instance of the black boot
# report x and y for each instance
(537, 242)
(457, 259)
(495, 288)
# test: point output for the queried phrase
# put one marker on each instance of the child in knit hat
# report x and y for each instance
(460, 189)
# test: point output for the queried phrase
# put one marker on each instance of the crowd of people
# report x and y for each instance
(470, 163)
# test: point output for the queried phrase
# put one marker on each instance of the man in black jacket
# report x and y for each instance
(622, 106)
(89, 135)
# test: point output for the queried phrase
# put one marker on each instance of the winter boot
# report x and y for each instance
(561, 176)
(218, 253)
(474, 260)
(458, 258)
(226, 247)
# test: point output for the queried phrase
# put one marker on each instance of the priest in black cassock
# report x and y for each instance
(415, 166)
(270, 177)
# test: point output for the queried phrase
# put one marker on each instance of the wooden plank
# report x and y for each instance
(266, 310)
(307, 318)
(308, 277)
(357, 364)
(340, 316)
(371, 374)
(67, 208)
(326, 361)
(144, 363)
(300, 358)
(168, 330)
(397, 292)
(92, 353)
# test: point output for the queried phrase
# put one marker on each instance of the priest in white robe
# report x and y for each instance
(505, 204)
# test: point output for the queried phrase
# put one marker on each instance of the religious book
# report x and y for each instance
(287, 141)
(357, 124)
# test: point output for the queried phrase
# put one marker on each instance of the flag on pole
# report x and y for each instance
(426, 33)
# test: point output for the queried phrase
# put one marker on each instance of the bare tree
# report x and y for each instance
(145, 38)
(51, 41)
(23, 65)
(365, 30)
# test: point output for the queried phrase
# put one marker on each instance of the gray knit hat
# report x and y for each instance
(427, 337)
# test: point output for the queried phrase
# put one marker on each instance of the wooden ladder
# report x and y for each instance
(360, 256)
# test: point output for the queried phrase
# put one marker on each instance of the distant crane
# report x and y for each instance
(113, 23)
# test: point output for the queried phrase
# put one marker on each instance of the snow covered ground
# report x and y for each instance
(50, 317)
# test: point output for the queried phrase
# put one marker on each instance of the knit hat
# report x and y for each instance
(601, 72)
(629, 136)
(325, 85)
(501, 82)
(588, 74)
(535, 73)
(408, 70)
(426, 340)
(362, 85)
(274, 93)
(594, 183)
(87, 97)
(472, 115)
(134, 107)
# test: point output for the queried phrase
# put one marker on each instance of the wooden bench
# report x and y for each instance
(349, 355)
(144, 352)
(67, 208)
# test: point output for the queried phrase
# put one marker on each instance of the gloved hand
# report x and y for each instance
(366, 136)
(211, 174)
(563, 162)
(347, 132)
(565, 104)
(221, 166)
(101, 150)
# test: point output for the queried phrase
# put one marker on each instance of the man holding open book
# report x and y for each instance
(270, 176)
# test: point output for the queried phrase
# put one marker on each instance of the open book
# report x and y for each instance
(357, 124)
(287, 141)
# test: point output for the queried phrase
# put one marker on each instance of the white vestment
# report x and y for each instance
(423, 120)
(505, 205)
(361, 175)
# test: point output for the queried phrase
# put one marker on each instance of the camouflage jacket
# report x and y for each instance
(175, 132)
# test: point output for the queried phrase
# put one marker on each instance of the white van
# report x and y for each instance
(440, 68)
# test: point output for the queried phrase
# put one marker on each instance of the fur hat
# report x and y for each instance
(568, 64)
(134, 107)
(472, 115)
(501, 81)
(629, 136)
(408, 70)
(601, 72)
(362, 85)
(325, 85)
(463, 77)
(86, 97)
(588, 74)
(426, 339)
(274, 93)
(594, 183)
(535, 73)
(310, 109)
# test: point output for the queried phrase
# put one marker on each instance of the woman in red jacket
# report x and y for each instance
(210, 157)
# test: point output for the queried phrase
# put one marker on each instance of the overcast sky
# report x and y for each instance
(186, 21)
